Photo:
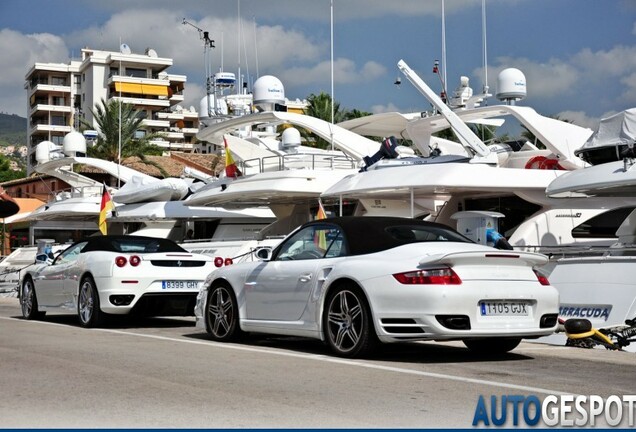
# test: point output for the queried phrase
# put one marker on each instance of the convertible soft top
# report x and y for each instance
(128, 243)
(369, 234)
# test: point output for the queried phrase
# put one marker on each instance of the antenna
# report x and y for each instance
(483, 29)
(208, 44)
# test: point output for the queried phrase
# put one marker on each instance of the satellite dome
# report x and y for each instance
(511, 85)
(290, 138)
(208, 102)
(43, 151)
(268, 91)
(74, 142)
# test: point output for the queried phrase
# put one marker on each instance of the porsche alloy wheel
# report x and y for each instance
(347, 323)
(222, 314)
(88, 311)
(29, 301)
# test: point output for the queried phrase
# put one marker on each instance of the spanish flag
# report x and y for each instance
(231, 170)
(106, 206)
(319, 238)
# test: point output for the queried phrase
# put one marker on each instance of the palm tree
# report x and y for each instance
(107, 116)
(320, 107)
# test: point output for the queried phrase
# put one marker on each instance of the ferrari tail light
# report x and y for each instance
(218, 261)
(228, 261)
(121, 261)
(135, 260)
(440, 276)
(543, 280)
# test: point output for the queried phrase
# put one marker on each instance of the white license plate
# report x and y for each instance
(504, 308)
(179, 284)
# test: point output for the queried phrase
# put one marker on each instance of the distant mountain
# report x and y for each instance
(12, 129)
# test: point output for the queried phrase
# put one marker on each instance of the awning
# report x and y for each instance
(154, 90)
(128, 88)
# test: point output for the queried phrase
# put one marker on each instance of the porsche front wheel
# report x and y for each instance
(222, 317)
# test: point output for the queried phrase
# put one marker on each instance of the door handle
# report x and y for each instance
(305, 277)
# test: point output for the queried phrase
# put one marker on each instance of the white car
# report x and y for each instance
(356, 281)
(116, 275)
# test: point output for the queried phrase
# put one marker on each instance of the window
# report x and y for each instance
(313, 242)
(603, 225)
(70, 255)
(137, 73)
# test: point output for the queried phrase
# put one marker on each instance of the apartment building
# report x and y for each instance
(58, 94)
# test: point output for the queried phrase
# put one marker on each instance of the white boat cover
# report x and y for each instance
(619, 129)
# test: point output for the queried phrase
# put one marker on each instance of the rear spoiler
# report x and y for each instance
(478, 257)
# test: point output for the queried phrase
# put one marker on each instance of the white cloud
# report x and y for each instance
(546, 80)
(579, 118)
(344, 70)
(390, 107)
(20, 52)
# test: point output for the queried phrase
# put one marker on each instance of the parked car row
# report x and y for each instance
(353, 282)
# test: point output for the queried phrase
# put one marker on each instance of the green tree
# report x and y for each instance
(320, 107)
(107, 115)
(6, 173)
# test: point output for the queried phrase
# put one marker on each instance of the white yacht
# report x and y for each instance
(599, 284)
(507, 178)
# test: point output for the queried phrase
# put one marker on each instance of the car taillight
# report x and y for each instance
(228, 261)
(218, 261)
(543, 280)
(441, 276)
(135, 260)
(121, 261)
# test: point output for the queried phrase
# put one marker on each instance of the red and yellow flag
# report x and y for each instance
(231, 170)
(106, 206)
(320, 238)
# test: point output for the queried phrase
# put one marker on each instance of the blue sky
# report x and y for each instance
(578, 56)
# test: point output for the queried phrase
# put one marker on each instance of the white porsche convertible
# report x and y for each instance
(356, 281)
(106, 275)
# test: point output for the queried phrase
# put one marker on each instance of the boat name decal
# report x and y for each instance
(569, 215)
(585, 311)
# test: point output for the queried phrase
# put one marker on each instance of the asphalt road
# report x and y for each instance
(165, 373)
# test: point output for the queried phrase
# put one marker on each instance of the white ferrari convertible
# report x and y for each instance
(106, 275)
(357, 281)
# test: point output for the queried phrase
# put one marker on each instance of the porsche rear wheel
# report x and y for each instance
(88, 311)
(492, 345)
(222, 317)
(29, 300)
(348, 324)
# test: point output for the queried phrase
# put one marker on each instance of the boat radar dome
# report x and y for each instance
(511, 85)
(268, 91)
(208, 108)
(290, 139)
(45, 151)
(74, 144)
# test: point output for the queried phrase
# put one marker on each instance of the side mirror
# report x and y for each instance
(263, 254)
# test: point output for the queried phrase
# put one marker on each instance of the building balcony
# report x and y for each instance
(42, 127)
(170, 115)
(50, 108)
(162, 103)
(48, 88)
(190, 131)
(161, 124)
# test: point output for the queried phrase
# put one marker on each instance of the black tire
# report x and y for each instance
(88, 308)
(222, 315)
(492, 345)
(348, 323)
(578, 325)
(29, 300)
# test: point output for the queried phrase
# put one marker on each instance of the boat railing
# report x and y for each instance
(582, 251)
(296, 161)
(78, 192)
